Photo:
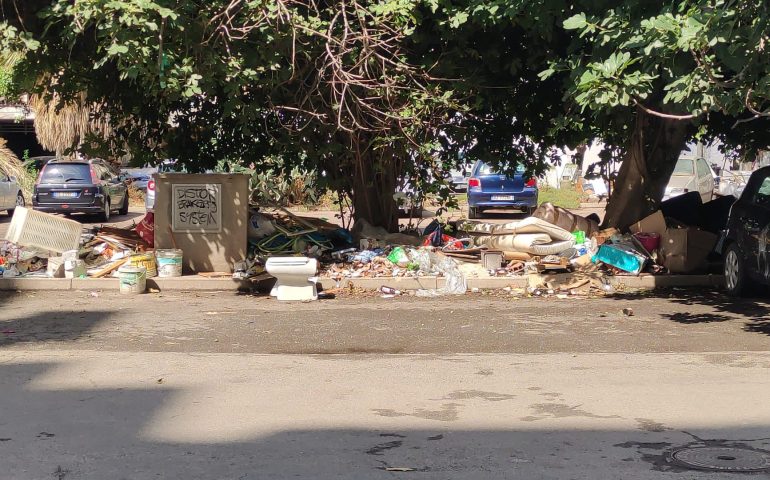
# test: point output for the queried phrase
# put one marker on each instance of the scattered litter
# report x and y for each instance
(390, 291)
(629, 312)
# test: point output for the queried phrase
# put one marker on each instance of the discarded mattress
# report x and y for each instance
(531, 235)
(565, 219)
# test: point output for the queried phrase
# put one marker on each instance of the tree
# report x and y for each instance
(325, 85)
(684, 68)
(374, 92)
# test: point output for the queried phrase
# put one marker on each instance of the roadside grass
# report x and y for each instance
(560, 197)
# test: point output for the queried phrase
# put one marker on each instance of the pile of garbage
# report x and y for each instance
(679, 238)
(552, 241)
(43, 245)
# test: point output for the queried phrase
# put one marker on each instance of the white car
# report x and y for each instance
(11, 195)
(691, 175)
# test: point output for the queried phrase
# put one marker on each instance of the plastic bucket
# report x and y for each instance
(132, 279)
(650, 241)
(169, 262)
(146, 260)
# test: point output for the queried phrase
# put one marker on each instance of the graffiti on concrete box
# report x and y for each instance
(196, 208)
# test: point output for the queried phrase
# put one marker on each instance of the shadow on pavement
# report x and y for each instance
(50, 326)
(106, 432)
(753, 311)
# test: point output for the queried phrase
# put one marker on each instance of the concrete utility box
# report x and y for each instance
(204, 215)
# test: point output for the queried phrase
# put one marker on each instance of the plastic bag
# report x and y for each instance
(399, 257)
(146, 229)
(455, 283)
(260, 226)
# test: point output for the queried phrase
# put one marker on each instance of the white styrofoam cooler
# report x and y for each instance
(43, 231)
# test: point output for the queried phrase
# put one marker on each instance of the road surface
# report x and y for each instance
(95, 385)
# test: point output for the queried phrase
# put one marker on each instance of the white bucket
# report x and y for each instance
(132, 279)
(169, 262)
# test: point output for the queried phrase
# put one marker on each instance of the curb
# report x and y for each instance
(193, 283)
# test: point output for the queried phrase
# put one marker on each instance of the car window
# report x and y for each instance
(485, 169)
(684, 166)
(703, 168)
(762, 197)
(76, 173)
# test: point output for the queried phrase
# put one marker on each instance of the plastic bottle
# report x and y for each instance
(389, 290)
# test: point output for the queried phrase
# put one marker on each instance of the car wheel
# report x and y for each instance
(474, 212)
(19, 203)
(124, 208)
(105, 215)
(735, 273)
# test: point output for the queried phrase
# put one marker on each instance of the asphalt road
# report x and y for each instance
(192, 322)
(134, 216)
(95, 385)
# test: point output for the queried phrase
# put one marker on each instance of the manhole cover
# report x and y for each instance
(723, 459)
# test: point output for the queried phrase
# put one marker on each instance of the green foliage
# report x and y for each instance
(277, 184)
(696, 57)
(7, 87)
(378, 93)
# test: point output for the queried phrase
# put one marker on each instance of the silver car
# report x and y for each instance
(691, 175)
(166, 166)
(11, 195)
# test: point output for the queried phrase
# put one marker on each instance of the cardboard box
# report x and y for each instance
(654, 223)
(684, 250)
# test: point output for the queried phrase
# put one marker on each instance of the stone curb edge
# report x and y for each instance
(192, 283)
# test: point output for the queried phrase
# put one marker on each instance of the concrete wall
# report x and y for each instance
(205, 252)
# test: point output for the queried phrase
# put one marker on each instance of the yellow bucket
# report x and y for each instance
(146, 260)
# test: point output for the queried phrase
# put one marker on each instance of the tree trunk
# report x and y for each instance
(641, 182)
(374, 183)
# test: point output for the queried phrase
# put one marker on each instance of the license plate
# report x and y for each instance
(503, 197)
(65, 194)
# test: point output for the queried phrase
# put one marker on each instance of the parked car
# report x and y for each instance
(139, 180)
(458, 181)
(80, 186)
(167, 166)
(489, 189)
(691, 175)
(745, 243)
(11, 195)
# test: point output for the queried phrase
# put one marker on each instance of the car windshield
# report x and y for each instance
(684, 166)
(487, 170)
(66, 173)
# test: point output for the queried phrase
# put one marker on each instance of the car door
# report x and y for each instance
(750, 218)
(5, 192)
(108, 184)
(705, 180)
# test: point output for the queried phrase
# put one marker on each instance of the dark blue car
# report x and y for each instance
(487, 189)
